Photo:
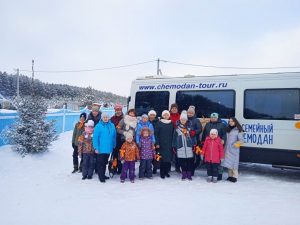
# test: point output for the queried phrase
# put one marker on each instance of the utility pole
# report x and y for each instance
(158, 69)
(32, 81)
(18, 83)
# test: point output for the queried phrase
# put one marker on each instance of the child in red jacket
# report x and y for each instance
(213, 153)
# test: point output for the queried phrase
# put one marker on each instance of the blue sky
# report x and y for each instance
(74, 35)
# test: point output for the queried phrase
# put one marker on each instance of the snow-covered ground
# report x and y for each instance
(41, 190)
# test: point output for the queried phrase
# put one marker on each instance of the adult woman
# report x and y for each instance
(127, 124)
(183, 143)
(163, 136)
(232, 148)
(104, 141)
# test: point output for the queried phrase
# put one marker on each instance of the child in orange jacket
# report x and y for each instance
(129, 154)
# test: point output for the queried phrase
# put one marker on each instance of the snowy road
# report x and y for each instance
(41, 190)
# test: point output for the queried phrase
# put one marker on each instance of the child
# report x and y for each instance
(144, 122)
(129, 153)
(147, 152)
(85, 147)
(213, 153)
(78, 129)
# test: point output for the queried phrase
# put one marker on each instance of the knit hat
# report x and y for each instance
(104, 114)
(128, 135)
(214, 115)
(145, 116)
(152, 112)
(183, 115)
(83, 115)
(191, 109)
(118, 106)
(213, 131)
(90, 123)
(95, 107)
(174, 105)
(165, 112)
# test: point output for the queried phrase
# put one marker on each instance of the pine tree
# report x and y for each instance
(32, 133)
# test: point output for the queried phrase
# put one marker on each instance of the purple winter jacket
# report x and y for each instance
(146, 144)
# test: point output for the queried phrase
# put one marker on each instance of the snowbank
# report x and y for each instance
(40, 190)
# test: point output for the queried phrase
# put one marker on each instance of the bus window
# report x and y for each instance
(157, 100)
(207, 102)
(272, 104)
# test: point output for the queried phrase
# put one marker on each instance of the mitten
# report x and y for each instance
(237, 144)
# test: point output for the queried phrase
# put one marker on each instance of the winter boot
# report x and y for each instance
(208, 179)
(229, 179)
(233, 180)
(220, 176)
(215, 179)
(189, 175)
(184, 175)
(162, 171)
(75, 169)
(84, 177)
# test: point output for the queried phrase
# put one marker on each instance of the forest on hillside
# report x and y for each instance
(56, 94)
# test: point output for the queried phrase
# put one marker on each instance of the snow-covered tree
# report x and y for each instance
(32, 133)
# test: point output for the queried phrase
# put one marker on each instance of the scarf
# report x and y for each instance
(165, 121)
(130, 121)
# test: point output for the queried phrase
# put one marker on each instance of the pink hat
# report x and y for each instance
(118, 106)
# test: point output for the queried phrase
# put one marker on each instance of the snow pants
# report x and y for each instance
(186, 164)
(212, 169)
(145, 169)
(87, 164)
(75, 157)
(128, 165)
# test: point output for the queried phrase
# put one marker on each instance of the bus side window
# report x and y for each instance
(271, 104)
(147, 100)
(207, 102)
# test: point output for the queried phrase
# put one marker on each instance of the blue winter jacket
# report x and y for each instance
(139, 128)
(104, 137)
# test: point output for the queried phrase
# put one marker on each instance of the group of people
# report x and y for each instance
(155, 143)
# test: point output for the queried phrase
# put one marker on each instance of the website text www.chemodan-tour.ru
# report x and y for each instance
(183, 86)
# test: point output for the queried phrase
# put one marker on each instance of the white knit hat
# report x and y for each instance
(90, 123)
(213, 131)
(104, 114)
(128, 135)
(165, 112)
(191, 109)
(152, 112)
(183, 115)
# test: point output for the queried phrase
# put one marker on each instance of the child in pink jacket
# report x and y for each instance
(213, 153)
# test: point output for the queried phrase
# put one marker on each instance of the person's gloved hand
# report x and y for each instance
(237, 144)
